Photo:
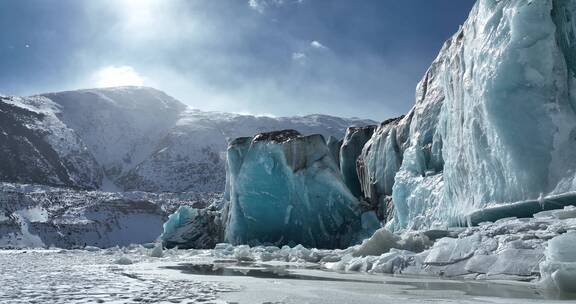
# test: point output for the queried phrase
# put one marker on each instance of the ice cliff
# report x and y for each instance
(492, 135)
(282, 188)
(494, 119)
(351, 148)
(286, 188)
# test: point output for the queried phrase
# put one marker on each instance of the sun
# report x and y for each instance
(117, 76)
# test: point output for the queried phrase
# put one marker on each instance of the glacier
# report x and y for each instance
(285, 188)
(493, 124)
(350, 149)
(492, 135)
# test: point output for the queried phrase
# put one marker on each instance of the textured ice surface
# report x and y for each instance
(378, 163)
(40, 216)
(117, 275)
(192, 228)
(543, 207)
(351, 148)
(334, 145)
(215, 277)
(494, 119)
(285, 188)
(509, 249)
(559, 268)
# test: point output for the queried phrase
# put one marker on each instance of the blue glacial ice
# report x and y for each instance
(492, 135)
(193, 228)
(494, 119)
(285, 188)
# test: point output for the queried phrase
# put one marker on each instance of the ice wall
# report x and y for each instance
(334, 145)
(493, 123)
(351, 148)
(377, 165)
(285, 188)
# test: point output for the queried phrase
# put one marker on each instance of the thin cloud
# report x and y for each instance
(224, 56)
(261, 5)
(317, 45)
(298, 56)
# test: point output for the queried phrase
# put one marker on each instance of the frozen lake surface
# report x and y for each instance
(131, 275)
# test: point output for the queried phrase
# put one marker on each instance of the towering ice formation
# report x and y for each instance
(351, 148)
(494, 125)
(378, 163)
(334, 145)
(494, 120)
(284, 188)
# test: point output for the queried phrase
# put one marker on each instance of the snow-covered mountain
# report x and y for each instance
(129, 138)
(42, 216)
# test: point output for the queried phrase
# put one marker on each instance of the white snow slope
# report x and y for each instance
(41, 216)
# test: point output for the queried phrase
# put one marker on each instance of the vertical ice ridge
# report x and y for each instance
(493, 121)
(350, 150)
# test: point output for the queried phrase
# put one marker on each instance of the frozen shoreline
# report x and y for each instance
(132, 274)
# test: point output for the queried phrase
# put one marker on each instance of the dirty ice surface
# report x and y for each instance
(149, 275)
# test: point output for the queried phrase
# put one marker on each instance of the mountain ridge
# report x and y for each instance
(135, 139)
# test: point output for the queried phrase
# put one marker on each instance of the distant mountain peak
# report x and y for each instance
(136, 138)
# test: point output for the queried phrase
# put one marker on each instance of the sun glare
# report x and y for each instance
(115, 76)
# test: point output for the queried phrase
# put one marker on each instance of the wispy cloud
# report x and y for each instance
(283, 57)
(299, 57)
(261, 5)
(317, 45)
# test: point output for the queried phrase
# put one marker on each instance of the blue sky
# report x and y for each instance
(280, 57)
